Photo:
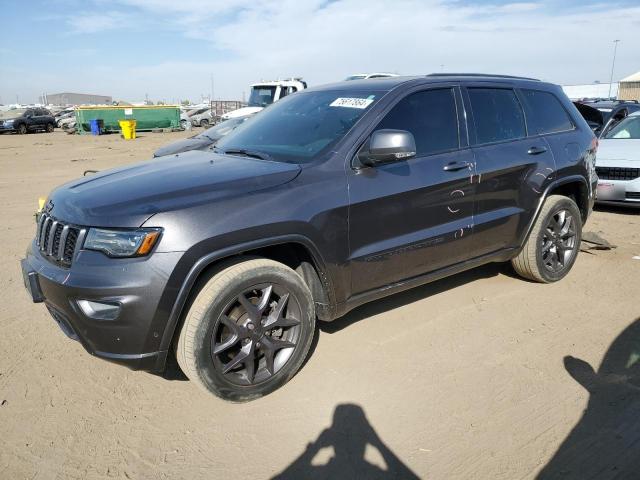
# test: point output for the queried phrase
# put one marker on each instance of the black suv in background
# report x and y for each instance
(328, 199)
(27, 120)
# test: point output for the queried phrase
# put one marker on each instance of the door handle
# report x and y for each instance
(453, 166)
(536, 150)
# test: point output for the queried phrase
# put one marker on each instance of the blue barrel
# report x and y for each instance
(97, 126)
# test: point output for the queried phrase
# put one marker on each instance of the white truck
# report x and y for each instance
(264, 94)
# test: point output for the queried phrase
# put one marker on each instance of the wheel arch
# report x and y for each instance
(295, 251)
(574, 187)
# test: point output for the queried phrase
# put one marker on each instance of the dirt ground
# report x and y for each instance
(461, 379)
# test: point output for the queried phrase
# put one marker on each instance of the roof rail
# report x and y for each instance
(481, 75)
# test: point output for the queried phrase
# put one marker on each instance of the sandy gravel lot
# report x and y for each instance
(465, 378)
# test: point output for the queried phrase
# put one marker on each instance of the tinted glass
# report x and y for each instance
(545, 112)
(497, 114)
(301, 127)
(430, 116)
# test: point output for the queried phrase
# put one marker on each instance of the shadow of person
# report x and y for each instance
(347, 443)
(606, 441)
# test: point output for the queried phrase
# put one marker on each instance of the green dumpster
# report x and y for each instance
(147, 117)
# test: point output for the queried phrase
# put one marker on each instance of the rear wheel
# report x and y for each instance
(248, 330)
(50, 127)
(22, 129)
(553, 244)
(183, 124)
(204, 123)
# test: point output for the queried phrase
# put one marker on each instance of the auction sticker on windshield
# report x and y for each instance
(361, 103)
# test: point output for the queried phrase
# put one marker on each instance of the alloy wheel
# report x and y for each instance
(256, 334)
(558, 244)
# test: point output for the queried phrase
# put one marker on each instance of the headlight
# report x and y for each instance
(122, 243)
(9, 122)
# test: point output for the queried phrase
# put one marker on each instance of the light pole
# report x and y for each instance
(613, 64)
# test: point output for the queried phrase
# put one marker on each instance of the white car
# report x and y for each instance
(364, 76)
(618, 163)
(264, 94)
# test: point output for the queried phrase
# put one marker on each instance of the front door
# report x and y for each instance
(414, 216)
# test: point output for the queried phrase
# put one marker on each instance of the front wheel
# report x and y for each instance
(554, 242)
(22, 129)
(204, 123)
(248, 330)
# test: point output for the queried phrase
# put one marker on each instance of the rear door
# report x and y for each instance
(414, 216)
(512, 167)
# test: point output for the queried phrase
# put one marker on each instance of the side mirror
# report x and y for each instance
(388, 146)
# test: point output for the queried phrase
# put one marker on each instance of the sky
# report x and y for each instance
(172, 49)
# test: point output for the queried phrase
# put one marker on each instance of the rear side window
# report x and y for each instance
(497, 114)
(545, 113)
(430, 116)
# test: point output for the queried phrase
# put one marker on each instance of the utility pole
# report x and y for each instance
(613, 64)
(212, 89)
(442, 67)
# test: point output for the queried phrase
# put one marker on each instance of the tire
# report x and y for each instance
(50, 127)
(550, 251)
(22, 129)
(204, 123)
(183, 124)
(225, 344)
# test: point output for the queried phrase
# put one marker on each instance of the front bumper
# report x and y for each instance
(617, 192)
(7, 128)
(134, 284)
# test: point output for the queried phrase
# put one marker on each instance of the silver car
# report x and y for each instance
(618, 163)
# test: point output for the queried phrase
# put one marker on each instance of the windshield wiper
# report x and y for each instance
(247, 153)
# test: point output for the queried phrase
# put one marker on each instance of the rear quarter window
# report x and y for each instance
(497, 114)
(545, 113)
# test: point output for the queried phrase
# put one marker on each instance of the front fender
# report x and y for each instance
(192, 264)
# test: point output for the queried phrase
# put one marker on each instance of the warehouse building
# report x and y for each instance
(630, 88)
(67, 98)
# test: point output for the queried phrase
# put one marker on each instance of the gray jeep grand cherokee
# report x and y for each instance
(330, 198)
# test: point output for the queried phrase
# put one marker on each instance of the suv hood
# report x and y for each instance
(194, 143)
(127, 197)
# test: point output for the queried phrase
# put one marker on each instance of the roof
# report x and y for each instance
(389, 83)
(632, 78)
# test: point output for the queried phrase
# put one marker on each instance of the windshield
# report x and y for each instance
(261, 96)
(629, 128)
(15, 113)
(301, 127)
(222, 129)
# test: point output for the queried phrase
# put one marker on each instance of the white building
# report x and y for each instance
(594, 90)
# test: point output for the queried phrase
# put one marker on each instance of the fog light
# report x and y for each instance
(99, 310)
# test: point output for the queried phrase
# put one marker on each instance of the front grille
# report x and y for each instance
(617, 173)
(633, 195)
(56, 240)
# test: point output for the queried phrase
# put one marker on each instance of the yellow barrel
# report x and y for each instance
(128, 128)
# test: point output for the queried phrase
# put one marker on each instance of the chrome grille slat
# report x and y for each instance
(57, 241)
(44, 231)
(52, 234)
(63, 241)
(43, 217)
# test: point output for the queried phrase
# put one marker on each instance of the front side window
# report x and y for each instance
(629, 128)
(430, 116)
(261, 96)
(497, 115)
(301, 127)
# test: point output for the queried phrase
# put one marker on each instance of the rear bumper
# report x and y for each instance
(133, 337)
